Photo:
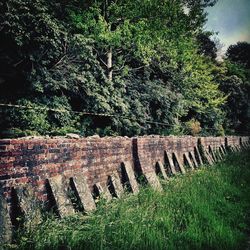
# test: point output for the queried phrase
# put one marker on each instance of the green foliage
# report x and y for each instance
(235, 83)
(193, 127)
(36, 118)
(219, 130)
(31, 118)
(207, 47)
(146, 63)
(204, 209)
(16, 132)
(239, 53)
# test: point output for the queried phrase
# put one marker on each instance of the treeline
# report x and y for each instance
(147, 64)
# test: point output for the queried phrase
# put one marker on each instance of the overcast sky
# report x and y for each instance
(231, 18)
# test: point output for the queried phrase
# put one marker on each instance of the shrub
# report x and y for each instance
(193, 127)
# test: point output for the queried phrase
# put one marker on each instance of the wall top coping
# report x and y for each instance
(97, 138)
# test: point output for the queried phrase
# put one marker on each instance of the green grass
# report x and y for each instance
(205, 209)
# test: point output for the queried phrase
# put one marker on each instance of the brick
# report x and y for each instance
(35, 160)
(5, 142)
(3, 147)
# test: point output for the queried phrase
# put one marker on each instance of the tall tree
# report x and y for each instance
(239, 53)
(235, 82)
(207, 46)
(135, 25)
(136, 60)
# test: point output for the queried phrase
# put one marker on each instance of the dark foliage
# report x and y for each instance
(145, 63)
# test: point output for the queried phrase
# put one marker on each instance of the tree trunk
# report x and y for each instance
(109, 64)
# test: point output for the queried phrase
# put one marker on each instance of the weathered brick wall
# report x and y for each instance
(213, 142)
(233, 141)
(152, 150)
(244, 140)
(214, 148)
(225, 142)
(34, 161)
(51, 167)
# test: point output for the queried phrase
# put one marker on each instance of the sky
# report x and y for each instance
(231, 18)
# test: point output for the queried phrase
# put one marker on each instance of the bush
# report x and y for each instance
(37, 117)
(32, 118)
(219, 130)
(193, 127)
(63, 131)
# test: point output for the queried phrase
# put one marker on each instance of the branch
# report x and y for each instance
(116, 70)
(100, 57)
(65, 47)
(18, 63)
(139, 67)
(103, 61)
(58, 62)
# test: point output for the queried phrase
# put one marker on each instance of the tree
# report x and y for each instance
(134, 26)
(46, 65)
(145, 64)
(235, 83)
(207, 47)
(239, 53)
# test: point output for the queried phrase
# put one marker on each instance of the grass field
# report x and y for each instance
(205, 209)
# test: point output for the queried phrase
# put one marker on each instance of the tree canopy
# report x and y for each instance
(239, 53)
(114, 67)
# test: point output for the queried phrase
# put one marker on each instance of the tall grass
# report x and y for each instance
(204, 209)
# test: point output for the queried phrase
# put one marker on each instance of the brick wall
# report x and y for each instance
(34, 161)
(214, 142)
(244, 140)
(49, 168)
(153, 150)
